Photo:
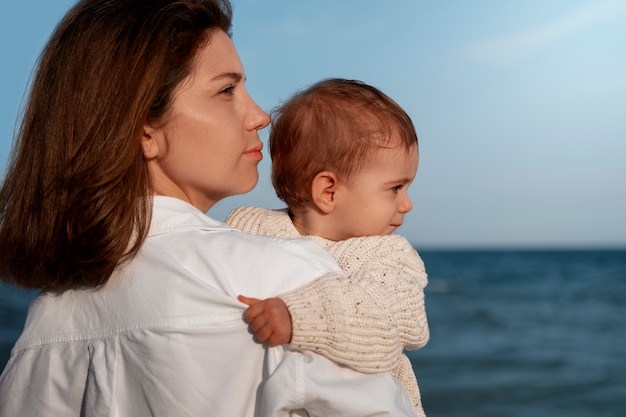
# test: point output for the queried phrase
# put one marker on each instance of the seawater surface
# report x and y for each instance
(524, 333)
(513, 333)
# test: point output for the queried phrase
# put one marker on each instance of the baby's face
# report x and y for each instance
(376, 200)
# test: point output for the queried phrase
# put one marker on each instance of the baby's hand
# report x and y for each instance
(269, 319)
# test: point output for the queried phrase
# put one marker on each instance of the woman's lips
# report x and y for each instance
(255, 153)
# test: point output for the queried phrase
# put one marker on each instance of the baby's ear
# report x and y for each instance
(323, 188)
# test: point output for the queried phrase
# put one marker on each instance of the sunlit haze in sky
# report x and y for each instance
(520, 107)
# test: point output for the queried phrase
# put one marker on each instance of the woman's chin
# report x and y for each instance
(246, 188)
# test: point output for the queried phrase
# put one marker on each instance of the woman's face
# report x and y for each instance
(209, 147)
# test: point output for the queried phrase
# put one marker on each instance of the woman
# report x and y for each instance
(137, 123)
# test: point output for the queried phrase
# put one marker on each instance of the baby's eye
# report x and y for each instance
(398, 188)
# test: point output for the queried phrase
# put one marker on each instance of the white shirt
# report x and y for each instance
(165, 336)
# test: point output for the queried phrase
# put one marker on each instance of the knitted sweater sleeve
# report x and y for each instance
(363, 321)
(366, 320)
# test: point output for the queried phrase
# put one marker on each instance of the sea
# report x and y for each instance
(514, 333)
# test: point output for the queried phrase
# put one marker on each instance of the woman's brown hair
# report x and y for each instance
(75, 201)
(332, 125)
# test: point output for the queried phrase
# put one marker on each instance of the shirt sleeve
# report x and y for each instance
(364, 321)
(308, 384)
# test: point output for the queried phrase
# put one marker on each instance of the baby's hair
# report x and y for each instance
(332, 125)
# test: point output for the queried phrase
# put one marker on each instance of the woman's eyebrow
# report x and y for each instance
(235, 76)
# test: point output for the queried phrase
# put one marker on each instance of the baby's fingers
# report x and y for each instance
(248, 300)
(261, 331)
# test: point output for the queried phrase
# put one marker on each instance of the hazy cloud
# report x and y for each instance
(504, 49)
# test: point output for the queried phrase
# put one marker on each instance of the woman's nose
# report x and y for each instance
(257, 118)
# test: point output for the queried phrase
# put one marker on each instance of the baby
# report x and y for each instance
(343, 156)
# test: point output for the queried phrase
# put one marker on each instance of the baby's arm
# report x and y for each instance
(364, 321)
(367, 320)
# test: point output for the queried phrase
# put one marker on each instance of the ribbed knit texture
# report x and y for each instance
(366, 320)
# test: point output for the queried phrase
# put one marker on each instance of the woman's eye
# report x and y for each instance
(228, 90)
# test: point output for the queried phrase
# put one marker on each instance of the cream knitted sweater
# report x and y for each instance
(366, 320)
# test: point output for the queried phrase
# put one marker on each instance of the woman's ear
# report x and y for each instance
(151, 141)
(323, 189)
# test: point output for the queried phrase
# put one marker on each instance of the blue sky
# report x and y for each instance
(520, 107)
